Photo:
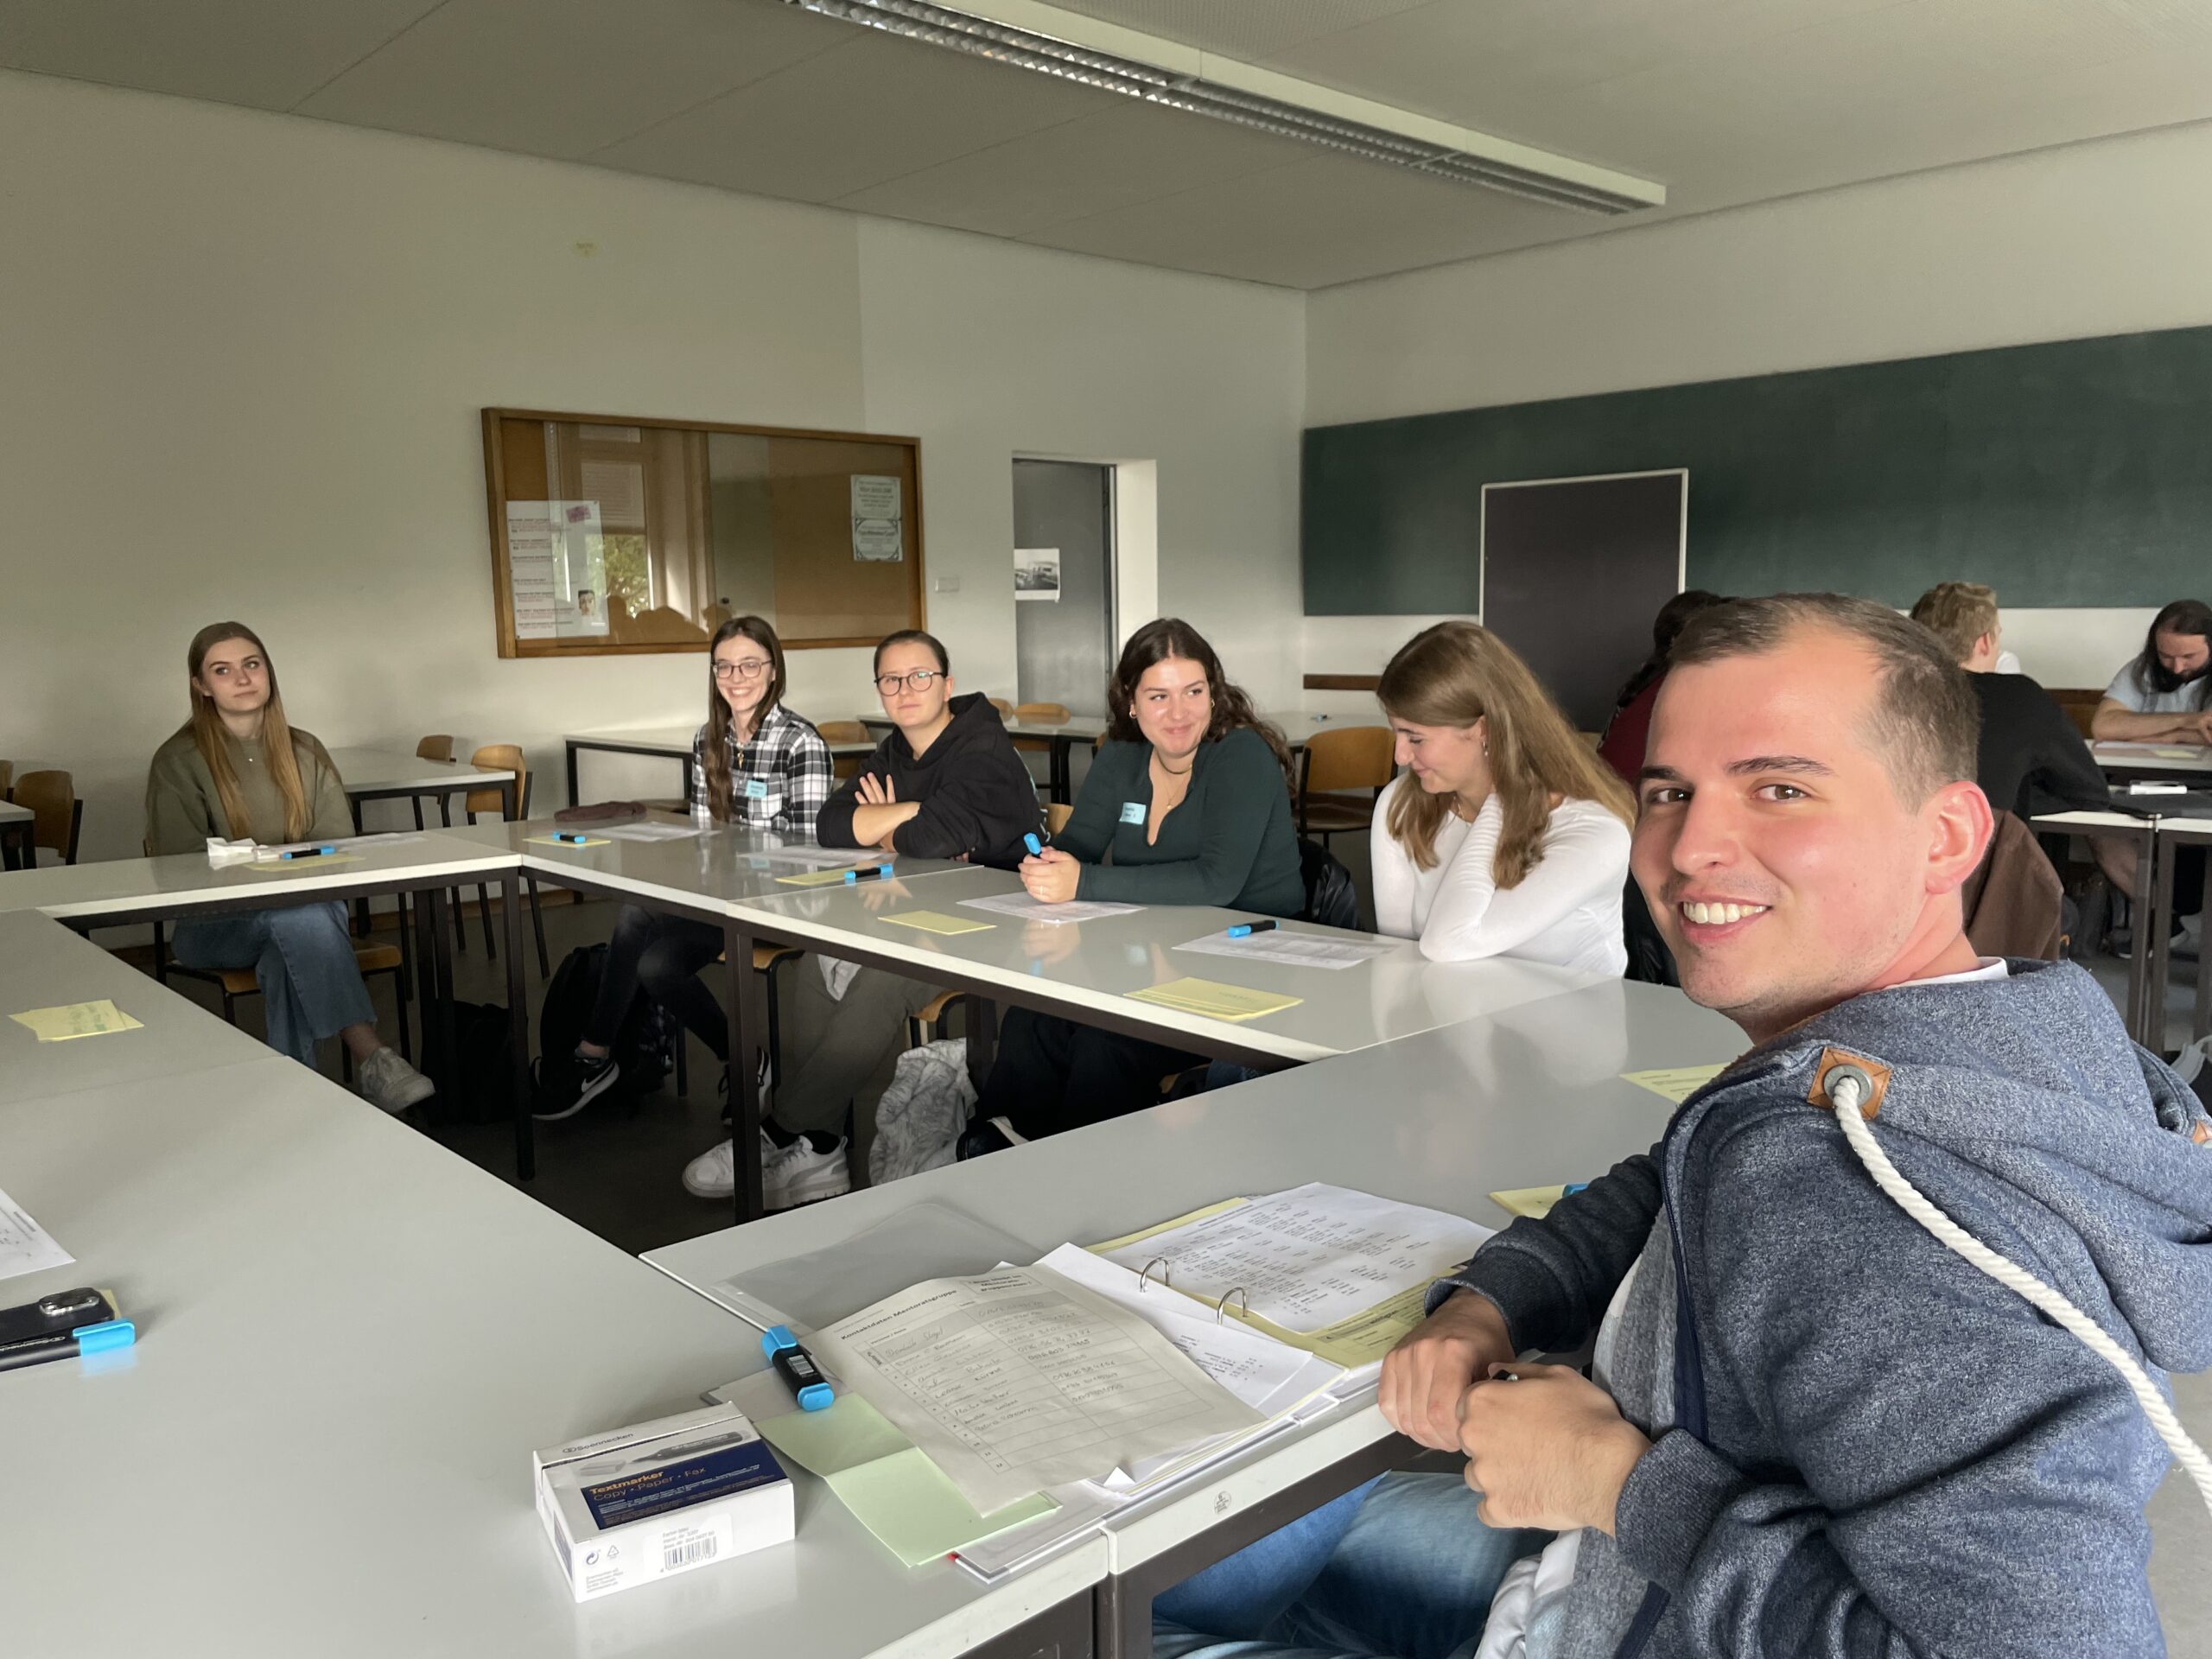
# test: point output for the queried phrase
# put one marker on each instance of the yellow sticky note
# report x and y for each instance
(935, 921)
(1214, 1000)
(2176, 754)
(75, 1019)
(1535, 1201)
(300, 865)
(812, 879)
(1675, 1083)
(550, 841)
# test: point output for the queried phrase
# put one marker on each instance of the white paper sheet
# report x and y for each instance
(1312, 1256)
(1020, 1380)
(1035, 910)
(648, 831)
(1299, 949)
(817, 858)
(26, 1247)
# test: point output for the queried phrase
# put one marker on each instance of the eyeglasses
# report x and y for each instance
(921, 679)
(750, 668)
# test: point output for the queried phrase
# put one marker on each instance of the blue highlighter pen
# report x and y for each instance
(878, 872)
(573, 838)
(796, 1367)
(308, 852)
(1245, 929)
(1036, 847)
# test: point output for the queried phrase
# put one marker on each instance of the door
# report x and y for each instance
(1064, 583)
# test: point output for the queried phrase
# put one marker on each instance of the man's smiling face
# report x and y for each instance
(1779, 859)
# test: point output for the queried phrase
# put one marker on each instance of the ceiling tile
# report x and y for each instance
(267, 55)
(873, 109)
(564, 78)
(1238, 28)
(1115, 158)
(1331, 220)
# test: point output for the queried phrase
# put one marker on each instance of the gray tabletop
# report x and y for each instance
(367, 771)
(122, 889)
(350, 1341)
(1531, 1096)
(675, 741)
(1093, 965)
(2153, 756)
(44, 965)
(10, 813)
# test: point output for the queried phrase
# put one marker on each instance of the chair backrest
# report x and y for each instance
(1057, 814)
(1357, 756)
(843, 731)
(56, 813)
(1041, 711)
(507, 757)
(2014, 903)
(1331, 899)
(1005, 708)
(7, 777)
(435, 748)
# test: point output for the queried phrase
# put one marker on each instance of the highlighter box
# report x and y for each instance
(635, 1504)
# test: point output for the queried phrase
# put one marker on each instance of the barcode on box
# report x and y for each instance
(688, 1554)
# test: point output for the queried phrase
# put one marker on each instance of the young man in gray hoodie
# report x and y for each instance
(1814, 1429)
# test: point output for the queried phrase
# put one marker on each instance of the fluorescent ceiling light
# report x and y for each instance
(1571, 185)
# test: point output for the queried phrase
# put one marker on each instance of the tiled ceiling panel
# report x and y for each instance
(565, 78)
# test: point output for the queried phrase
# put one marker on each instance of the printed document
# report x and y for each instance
(1309, 1259)
(1298, 950)
(26, 1247)
(650, 832)
(1018, 1380)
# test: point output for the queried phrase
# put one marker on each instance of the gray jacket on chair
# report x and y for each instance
(1862, 1446)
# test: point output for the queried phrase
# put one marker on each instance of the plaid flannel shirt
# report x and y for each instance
(778, 780)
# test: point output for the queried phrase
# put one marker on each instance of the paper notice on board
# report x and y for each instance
(532, 589)
(556, 569)
(1037, 573)
(878, 520)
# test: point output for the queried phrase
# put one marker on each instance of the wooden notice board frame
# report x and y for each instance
(495, 481)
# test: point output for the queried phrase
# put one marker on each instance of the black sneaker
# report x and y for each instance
(591, 1076)
(985, 1136)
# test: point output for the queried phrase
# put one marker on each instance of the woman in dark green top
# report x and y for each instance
(1189, 800)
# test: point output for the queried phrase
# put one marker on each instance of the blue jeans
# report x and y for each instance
(1400, 1568)
(302, 957)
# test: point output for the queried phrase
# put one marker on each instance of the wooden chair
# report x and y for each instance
(1005, 708)
(1046, 711)
(844, 731)
(1057, 815)
(7, 779)
(505, 757)
(766, 955)
(57, 816)
(1332, 765)
(437, 749)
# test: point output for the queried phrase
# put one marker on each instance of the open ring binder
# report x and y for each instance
(1167, 1272)
(1221, 1307)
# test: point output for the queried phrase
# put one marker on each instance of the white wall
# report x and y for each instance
(2093, 239)
(245, 357)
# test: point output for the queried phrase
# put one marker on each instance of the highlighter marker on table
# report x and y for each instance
(796, 1367)
(1244, 929)
(574, 839)
(103, 1338)
(873, 873)
(308, 852)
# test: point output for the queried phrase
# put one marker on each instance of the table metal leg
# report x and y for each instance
(983, 1037)
(518, 1033)
(446, 1074)
(1061, 789)
(2139, 955)
(2158, 919)
(744, 1091)
(572, 774)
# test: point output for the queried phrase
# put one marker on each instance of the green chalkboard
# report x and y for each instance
(2076, 473)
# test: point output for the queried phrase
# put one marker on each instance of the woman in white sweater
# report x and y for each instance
(1505, 835)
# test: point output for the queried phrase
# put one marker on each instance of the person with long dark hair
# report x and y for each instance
(1189, 794)
(238, 770)
(1622, 748)
(754, 763)
(2166, 693)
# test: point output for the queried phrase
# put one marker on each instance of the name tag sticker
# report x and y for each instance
(1132, 811)
(755, 789)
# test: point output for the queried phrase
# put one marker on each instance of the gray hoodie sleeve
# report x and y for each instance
(1552, 1279)
(1964, 1478)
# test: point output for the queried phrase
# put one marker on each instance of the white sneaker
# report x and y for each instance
(789, 1175)
(798, 1174)
(2189, 936)
(389, 1085)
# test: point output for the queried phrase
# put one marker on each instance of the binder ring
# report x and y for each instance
(1166, 1269)
(1221, 1307)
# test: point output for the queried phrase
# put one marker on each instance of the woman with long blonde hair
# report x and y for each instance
(1505, 835)
(238, 770)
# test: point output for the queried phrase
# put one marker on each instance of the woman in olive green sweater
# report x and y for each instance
(238, 770)
(1190, 798)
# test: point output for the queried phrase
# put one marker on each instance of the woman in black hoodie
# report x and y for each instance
(946, 784)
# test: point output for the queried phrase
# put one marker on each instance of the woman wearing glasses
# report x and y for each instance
(754, 763)
(946, 784)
